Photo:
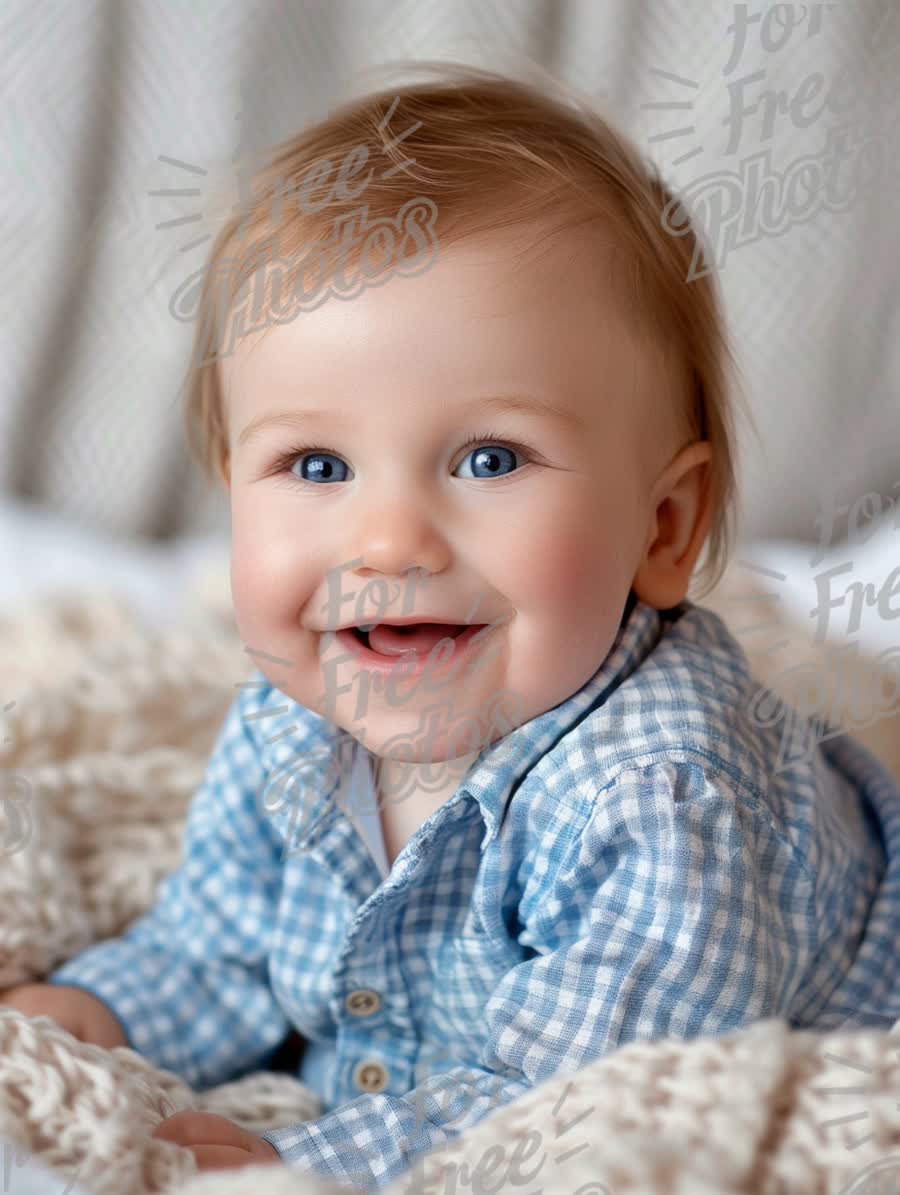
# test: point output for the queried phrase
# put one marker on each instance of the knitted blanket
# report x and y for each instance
(105, 732)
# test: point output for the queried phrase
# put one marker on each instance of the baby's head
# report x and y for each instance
(451, 367)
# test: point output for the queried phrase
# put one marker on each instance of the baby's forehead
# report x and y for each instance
(518, 274)
(547, 251)
(543, 300)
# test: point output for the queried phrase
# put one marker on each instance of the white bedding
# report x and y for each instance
(873, 561)
(47, 554)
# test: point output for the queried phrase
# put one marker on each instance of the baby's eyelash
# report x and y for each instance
(503, 441)
(283, 463)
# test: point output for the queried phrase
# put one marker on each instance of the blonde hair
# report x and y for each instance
(491, 152)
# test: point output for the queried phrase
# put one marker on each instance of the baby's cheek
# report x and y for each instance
(570, 574)
(269, 572)
(242, 574)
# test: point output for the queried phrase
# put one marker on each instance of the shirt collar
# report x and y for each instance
(501, 767)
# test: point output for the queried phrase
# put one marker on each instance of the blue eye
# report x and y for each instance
(489, 461)
(321, 468)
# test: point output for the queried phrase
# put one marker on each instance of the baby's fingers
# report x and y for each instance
(223, 1157)
(215, 1141)
(199, 1128)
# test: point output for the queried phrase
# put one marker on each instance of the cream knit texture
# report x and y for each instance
(105, 733)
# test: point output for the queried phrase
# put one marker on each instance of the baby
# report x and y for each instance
(499, 797)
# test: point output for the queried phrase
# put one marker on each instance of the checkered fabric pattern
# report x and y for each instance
(634, 863)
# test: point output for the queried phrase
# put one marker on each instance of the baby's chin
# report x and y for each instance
(417, 742)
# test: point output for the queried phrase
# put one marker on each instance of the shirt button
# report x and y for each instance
(370, 1075)
(363, 1002)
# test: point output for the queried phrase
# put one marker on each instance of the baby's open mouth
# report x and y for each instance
(420, 637)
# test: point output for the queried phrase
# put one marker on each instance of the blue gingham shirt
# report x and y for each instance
(644, 860)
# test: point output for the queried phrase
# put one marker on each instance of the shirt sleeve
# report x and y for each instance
(675, 911)
(189, 980)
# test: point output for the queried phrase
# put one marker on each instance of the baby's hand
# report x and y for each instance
(216, 1142)
(84, 1015)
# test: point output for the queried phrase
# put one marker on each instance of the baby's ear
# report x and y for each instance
(680, 521)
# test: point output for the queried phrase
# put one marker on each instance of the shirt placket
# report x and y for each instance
(376, 1042)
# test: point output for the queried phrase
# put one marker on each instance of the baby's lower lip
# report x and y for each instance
(375, 661)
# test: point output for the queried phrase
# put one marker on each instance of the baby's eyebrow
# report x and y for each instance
(285, 419)
(524, 404)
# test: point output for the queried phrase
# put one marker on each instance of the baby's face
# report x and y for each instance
(429, 496)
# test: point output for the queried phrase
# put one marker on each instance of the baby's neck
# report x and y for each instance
(405, 802)
(392, 775)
